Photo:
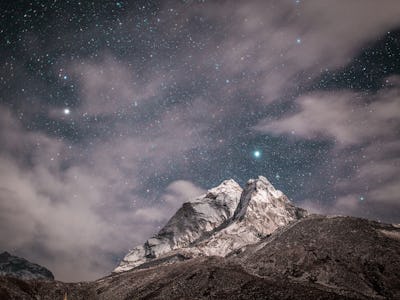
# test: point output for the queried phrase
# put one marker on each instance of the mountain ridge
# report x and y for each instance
(19, 267)
(194, 218)
(316, 257)
(268, 249)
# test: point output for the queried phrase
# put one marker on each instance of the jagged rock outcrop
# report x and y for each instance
(14, 266)
(261, 210)
(223, 220)
(189, 223)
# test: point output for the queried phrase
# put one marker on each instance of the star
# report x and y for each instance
(298, 41)
(257, 153)
(67, 111)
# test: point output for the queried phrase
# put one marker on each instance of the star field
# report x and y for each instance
(110, 109)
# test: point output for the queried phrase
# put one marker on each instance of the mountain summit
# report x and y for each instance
(188, 224)
(223, 220)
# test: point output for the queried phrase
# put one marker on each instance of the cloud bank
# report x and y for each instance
(364, 130)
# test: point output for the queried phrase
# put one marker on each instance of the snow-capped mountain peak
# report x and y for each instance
(224, 219)
(259, 191)
(261, 210)
(190, 222)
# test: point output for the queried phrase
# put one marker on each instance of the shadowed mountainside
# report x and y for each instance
(21, 268)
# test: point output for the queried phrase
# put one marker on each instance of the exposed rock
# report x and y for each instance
(261, 210)
(342, 253)
(21, 268)
(225, 219)
(189, 223)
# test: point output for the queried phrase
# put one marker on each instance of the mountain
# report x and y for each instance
(316, 257)
(245, 244)
(190, 222)
(224, 219)
(341, 253)
(261, 210)
(21, 268)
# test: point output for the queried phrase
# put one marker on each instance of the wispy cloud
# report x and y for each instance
(364, 130)
(79, 214)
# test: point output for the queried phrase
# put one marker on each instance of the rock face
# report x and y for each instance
(225, 219)
(21, 268)
(341, 253)
(189, 223)
(261, 210)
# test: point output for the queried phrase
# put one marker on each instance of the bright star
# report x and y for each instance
(257, 153)
(66, 111)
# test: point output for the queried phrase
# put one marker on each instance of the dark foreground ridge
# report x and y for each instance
(314, 258)
(21, 268)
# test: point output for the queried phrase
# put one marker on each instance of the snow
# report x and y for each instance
(190, 222)
(224, 219)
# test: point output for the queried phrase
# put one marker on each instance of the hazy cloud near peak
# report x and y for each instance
(175, 195)
(181, 191)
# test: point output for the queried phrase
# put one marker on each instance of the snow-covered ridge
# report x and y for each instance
(224, 219)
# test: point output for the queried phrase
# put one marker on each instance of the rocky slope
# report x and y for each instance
(21, 268)
(314, 258)
(341, 253)
(223, 220)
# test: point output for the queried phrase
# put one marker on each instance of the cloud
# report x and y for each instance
(346, 117)
(286, 44)
(109, 86)
(75, 214)
(175, 195)
(181, 191)
(364, 132)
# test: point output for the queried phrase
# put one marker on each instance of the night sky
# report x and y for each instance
(113, 113)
